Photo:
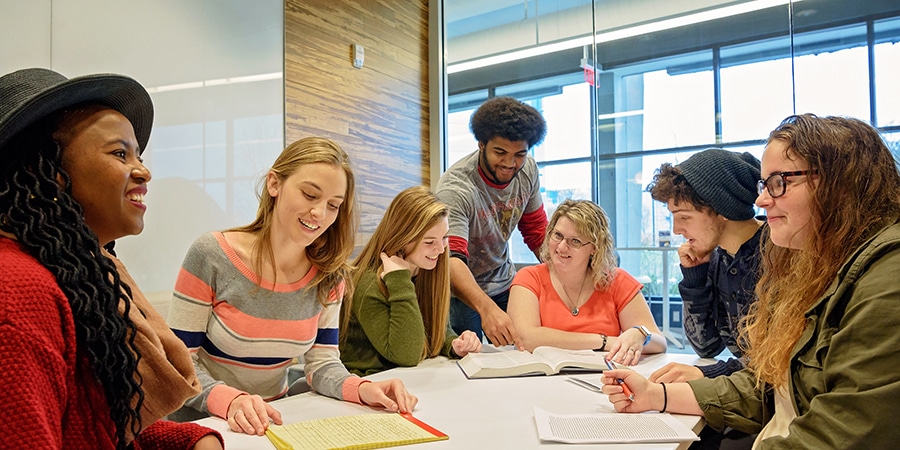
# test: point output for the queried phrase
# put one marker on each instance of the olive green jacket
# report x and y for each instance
(385, 332)
(845, 369)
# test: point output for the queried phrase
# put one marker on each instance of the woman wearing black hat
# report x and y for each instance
(85, 361)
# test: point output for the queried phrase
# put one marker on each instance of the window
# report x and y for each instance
(663, 95)
(666, 84)
(887, 65)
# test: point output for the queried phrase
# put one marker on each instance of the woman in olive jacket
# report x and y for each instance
(822, 357)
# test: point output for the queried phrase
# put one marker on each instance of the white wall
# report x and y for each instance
(209, 144)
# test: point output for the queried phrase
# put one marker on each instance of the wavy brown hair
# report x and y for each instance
(856, 195)
(592, 224)
(410, 215)
(670, 184)
(328, 253)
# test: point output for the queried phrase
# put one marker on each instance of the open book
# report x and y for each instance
(353, 432)
(543, 361)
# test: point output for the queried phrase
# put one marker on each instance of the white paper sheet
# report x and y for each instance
(610, 428)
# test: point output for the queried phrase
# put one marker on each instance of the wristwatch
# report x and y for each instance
(645, 332)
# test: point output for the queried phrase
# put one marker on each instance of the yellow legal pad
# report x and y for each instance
(353, 432)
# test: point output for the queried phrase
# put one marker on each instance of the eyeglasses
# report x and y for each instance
(775, 183)
(571, 242)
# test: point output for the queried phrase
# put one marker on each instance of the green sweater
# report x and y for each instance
(844, 378)
(384, 333)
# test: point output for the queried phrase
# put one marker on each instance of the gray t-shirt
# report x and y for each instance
(484, 215)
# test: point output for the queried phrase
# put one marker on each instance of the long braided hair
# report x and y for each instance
(37, 207)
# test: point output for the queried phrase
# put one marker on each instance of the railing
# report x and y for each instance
(641, 269)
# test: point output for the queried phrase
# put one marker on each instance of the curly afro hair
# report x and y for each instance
(510, 119)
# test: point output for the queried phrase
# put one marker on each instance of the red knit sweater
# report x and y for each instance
(50, 397)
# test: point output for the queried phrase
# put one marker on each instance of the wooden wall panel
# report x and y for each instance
(378, 114)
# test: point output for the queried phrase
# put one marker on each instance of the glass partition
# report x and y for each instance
(626, 86)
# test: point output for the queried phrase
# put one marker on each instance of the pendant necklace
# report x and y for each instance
(575, 310)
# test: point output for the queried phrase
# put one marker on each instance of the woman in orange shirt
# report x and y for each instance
(578, 299)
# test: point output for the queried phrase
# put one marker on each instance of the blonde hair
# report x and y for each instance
(410, 215)
(328, 253)
(854, 168)
(592, 224)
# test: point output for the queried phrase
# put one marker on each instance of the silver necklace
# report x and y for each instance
(575, 310)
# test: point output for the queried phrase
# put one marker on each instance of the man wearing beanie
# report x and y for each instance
(710, 197)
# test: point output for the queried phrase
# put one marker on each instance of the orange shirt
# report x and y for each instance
(600, 314)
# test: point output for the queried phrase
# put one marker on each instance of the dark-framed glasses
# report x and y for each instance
(571, 242)
(775, 184)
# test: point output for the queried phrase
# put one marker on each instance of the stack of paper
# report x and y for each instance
(610, 428)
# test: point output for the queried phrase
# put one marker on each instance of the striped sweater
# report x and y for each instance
(243, 335)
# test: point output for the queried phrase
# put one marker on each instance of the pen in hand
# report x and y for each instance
(620, 381)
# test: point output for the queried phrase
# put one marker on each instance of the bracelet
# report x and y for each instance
(665, 398)
(602, 347)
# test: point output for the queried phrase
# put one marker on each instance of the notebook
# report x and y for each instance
(363, 431)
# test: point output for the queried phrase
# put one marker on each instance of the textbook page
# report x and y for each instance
(544, 361)
(610, 428)
(562, 360)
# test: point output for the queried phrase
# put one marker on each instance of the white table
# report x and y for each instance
(476, 414)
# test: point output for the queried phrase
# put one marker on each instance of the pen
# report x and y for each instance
(620, 381)
(586, 384)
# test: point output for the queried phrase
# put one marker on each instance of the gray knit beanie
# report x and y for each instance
(726, 180)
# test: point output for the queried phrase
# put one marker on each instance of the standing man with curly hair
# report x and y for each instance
(490, 192)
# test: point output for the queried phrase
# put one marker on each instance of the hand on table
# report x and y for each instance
(250, 414)
(499, 329)
(675, 373)
(391, 394)
(627, 348)
(466, 343)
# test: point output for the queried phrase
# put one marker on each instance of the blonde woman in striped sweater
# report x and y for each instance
(251, 299)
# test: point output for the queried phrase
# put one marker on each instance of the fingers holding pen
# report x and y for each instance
(617, 391)
(617, 383)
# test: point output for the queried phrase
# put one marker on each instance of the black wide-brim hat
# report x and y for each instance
(29, 95)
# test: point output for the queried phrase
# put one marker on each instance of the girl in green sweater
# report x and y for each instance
(398, 315)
